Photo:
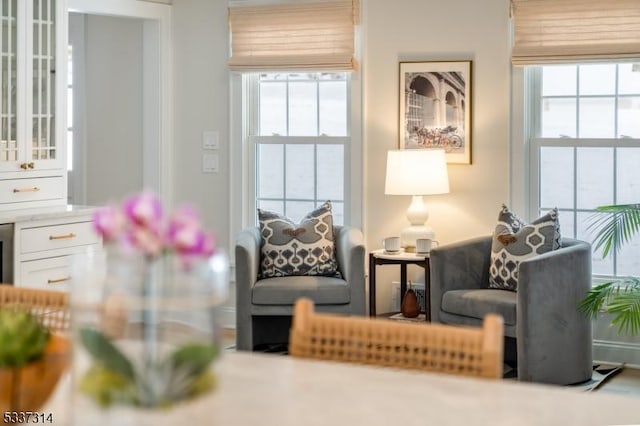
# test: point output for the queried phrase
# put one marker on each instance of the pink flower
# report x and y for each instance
(139, 227)
(144, 210)
(146, 240)
(109, 223)
(185, 235)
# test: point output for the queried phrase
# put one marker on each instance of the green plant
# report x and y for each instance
(114, 379)
(22, 337)
(615, 225)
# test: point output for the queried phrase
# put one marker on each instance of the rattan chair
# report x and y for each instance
(470, 351)
(52, 307)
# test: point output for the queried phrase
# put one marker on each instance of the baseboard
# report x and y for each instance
(616, 352)
(228, 317)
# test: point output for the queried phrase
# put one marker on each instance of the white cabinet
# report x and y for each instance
(45, 250)
(33, 54)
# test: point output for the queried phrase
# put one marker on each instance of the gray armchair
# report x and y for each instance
(553, 339)
(264, 307)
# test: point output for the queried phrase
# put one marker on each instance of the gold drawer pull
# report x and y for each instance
(32, 189)
(62, 237)
(57, 280)
(26, 166)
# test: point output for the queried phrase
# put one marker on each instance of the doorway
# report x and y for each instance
(105, 116)
(117, 125)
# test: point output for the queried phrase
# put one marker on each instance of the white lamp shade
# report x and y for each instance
(416, 172)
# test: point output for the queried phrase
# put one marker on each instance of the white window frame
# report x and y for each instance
(243, 152)
(526, 144)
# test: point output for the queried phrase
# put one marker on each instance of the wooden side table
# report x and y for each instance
(380, 257)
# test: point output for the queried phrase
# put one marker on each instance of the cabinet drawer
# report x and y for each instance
(37, 189)
(57, 236)
(53, 273)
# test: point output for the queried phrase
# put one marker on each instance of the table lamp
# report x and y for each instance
(416, 172)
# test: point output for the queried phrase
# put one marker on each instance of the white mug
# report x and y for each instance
(423, 245)
(391, 244)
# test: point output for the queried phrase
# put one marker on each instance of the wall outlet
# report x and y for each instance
(210, 139)
(210, 163)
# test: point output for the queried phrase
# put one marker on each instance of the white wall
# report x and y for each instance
(430, 30)
(201, 102)
(113, 107)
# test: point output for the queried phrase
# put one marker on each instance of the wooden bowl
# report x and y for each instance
(27, 388)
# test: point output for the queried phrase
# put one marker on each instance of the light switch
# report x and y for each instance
(210, 139)
(210, 163)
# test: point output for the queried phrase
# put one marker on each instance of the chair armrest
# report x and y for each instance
(459, 266)
(247, 266)
(350, 254)
(550, 328)
(551, 285)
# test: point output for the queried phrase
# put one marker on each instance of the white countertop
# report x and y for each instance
(43, 213)
(275, 390)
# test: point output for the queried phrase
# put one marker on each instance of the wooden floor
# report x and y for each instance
(626, 382)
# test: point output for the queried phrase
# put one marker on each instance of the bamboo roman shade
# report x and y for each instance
(315, 35)
(562, 31)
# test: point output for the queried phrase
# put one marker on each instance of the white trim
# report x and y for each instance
(616, 352)
(236, 172)
(158, 87)
(78, 188)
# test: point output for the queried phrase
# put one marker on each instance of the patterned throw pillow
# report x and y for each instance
(306, 248)
(514, 241)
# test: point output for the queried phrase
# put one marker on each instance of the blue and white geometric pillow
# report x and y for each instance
(305, 248)
(514, 241)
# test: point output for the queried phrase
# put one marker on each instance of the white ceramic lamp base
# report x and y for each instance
(417, 214)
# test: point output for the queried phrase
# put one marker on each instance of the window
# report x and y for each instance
(585, 148)
(300, 140)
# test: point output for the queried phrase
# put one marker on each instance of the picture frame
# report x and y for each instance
(435, 108)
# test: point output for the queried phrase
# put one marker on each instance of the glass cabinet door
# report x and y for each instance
(8, 75)
(43, 129)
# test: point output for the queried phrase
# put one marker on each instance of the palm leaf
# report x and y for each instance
(625, 307)
(614, 225)
(598, 297)
(621, 299)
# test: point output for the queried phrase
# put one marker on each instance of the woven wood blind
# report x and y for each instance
(318, 35)
(563, 31)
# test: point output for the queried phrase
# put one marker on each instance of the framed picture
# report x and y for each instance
(435, 108)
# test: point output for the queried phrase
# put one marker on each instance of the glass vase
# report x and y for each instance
(146, 333)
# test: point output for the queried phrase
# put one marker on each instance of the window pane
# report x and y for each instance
(296, 210)
(303, 109)
(333, 108)
(628, 261)
(300, 172)
(629, 79)
(567, 223)
(595, 177)
(597, 118)
(330, 172)
(558, 118)
(556, 177)
(271, 171)
(599, 266)
(598, 79)
(559, 80)
(272, 206)
(628, 176)
(628, 117)
(337, 211)
(273, 109)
